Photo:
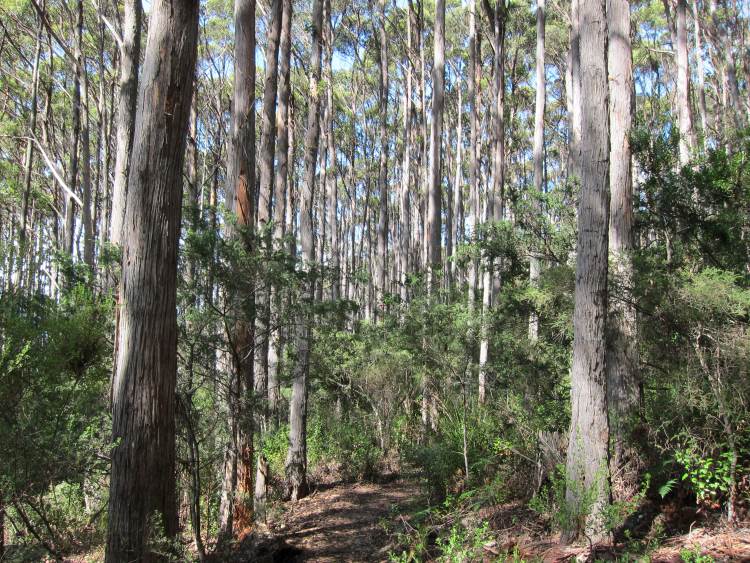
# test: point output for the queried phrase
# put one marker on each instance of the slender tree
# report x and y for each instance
(296, 459)
(236, 507)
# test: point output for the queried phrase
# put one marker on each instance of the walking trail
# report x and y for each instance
(346, 522)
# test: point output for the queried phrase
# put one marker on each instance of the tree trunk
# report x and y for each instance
(296, 459)
(382, 258)
(267, 151)
(623, 390)
(683, 84)
(541, 91)
(130, 49)
(434, 259)
(588, 457)
(142, 503)
(86, 216)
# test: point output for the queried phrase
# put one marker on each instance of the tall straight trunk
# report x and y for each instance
(130, 49)
(404, 210)
(573, 92)
(382, 260)
(28, 160)
(701, 71)
(454, 230)
(683, 84)
(281, 203)
(472, 219)
(623, 389)
(541, 97)
(296, 459)
(267, 151)
(332, 234)
(142, 483)
(434, 198)
(236, 514)
(588, 455)
(69, 229)
(86, 215)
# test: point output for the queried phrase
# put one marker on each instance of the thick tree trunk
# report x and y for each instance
(404, 210)
(130, 49)
(701, 72)
(296, 460)
(588, 456)
(472, 219)
(142, 503)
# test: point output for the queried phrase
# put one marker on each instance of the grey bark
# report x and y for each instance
(588, 455)
(683, 84)
(541, 97)
(142, 483)
(382, 258)
(434, 258)
(623, 389)
(130, 49)
(296, 460)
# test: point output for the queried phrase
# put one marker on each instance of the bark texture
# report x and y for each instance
(142, 503)
(588, 456)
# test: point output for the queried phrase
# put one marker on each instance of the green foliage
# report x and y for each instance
(694, 555)
(54, 438)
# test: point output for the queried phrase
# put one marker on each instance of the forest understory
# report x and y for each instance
(374, 280)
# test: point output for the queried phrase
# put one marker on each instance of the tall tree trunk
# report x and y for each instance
(535, 266)
(588, 456)
(86, 215)
(267, 151)
(69, 229)
(701, 71)
(281, 204)
(296, 459)
(472, 219)
(331, 178)
(404, 210)
(382, 258)
(130, 49)
(434, 258)
(142, 483)
(237, 513)
(683, 84)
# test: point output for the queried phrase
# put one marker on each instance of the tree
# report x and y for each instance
(623, 388)
(434, 200)
(534, 262)
(142, 485)
(130, 49)
(296, 459)
(588, 458)
(236, 507)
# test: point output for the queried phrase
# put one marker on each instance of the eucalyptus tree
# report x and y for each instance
(142, 497)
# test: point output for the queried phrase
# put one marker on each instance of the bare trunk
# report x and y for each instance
(142, 502)
(240, 200)
(296, 460)
(130, 49)
(623, 390)
(541, 91)
(434, 199)
(683, 84)
(588, 456)
(382, 258)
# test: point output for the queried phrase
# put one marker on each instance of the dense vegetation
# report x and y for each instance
(391, 270)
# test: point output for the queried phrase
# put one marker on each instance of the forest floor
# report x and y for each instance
(345, 522)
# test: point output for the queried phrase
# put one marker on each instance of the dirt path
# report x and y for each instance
(344, 522)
